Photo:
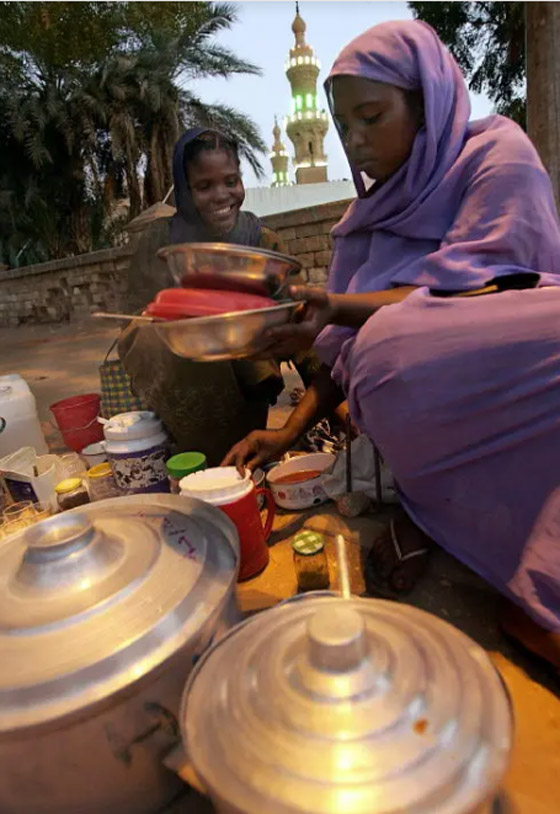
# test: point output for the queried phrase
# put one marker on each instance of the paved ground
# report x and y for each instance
(60, 361)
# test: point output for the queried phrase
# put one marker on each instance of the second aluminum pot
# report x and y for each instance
(359, 706)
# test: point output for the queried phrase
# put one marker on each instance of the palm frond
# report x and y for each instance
(229, 121)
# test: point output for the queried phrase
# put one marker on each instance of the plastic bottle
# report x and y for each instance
(19, 422)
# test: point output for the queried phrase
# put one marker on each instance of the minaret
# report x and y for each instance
(278, 159)
(307, 125)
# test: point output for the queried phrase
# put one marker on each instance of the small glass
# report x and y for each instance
(21, 509)
(72, 465)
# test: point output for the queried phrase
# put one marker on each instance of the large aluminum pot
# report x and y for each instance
(103, 612)
(359, 706)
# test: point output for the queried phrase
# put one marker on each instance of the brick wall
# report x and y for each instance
(73, 288)
(61, 290)
(306, 234)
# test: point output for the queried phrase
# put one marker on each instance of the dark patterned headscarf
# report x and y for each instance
(186, 225)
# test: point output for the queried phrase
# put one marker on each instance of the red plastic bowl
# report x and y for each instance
(181, 303)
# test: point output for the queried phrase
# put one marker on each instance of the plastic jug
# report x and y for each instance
(236, 496)
(19, 422)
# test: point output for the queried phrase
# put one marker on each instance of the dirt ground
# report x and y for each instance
(62, 360)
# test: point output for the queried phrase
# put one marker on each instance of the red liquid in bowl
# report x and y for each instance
(297, 477)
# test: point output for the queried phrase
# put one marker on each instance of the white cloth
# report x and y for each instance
(363, 474)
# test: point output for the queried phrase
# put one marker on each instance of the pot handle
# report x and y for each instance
(178, 761)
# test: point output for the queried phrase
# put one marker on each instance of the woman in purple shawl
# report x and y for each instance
(441, 325)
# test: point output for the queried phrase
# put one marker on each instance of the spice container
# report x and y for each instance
(179, 466)
(310, 561)
(101, 482)
(71, 493)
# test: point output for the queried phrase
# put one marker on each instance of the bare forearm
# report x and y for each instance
(353, 310)
(321, 397)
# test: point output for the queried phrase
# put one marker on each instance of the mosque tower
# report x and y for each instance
(307, 125)
(278, 159)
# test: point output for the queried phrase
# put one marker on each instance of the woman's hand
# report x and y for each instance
(314, 313)
(259, 447)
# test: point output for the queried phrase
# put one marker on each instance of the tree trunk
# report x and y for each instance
(543, 85)
(133, 184)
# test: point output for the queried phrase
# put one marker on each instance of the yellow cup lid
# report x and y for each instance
(100, 471)
(67, 485)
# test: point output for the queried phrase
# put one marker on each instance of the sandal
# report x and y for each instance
(379, 578)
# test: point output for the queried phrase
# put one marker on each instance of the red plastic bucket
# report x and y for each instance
(76, 419)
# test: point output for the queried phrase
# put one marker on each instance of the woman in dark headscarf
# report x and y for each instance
(205, 406)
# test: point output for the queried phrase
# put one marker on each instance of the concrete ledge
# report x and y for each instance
(68, 263)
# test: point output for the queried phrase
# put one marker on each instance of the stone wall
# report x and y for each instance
(61, 290)
(306, 234)
(73, 288)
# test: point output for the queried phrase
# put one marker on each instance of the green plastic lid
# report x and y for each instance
(179, 466)
(308, 542)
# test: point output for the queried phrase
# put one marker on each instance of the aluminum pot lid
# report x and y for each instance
(93, 599)
(333, 705)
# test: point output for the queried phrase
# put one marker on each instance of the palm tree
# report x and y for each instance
(96, 120)
(154, 102)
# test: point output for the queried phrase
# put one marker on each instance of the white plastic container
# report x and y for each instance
(19, 422)
(29, 476)
(137, 448)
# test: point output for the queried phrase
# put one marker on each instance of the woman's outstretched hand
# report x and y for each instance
(258, 448)
(314, 313)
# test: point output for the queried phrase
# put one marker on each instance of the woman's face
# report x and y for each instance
(217, 189)
(377, 124)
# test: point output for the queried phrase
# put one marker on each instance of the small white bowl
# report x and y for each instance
(306, 493)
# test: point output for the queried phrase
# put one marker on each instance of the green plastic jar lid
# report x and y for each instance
(179, 466)
(308, 542)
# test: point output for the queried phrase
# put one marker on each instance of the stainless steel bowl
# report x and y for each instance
(224, 336)
(226, 266)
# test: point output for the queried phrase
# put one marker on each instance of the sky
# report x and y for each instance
(263, 35)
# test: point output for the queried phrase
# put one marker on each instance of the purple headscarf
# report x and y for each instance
(471, 203)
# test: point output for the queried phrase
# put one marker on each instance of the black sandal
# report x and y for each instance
(384, 585)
